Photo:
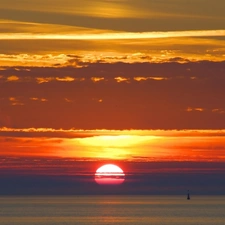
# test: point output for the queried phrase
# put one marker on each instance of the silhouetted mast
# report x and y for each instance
(188, 195)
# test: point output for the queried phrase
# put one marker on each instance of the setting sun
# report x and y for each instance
(109, 174)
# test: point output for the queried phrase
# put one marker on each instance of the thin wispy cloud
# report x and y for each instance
(74, 133)
(114, 36)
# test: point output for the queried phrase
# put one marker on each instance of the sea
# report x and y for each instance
(121, 210)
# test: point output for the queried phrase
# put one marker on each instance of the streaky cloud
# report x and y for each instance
(79, 133)
(113, 36)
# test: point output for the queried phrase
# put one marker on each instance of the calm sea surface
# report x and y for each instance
(155, 210)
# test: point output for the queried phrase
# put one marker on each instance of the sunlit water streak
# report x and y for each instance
(155, 210)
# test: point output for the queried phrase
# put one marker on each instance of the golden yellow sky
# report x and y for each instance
(101, 29)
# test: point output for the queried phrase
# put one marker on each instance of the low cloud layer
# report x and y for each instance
(119, 95)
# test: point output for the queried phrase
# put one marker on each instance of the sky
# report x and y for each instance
(138, 83)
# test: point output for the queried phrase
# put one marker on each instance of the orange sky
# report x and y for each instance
(128, 145)
(129, 80)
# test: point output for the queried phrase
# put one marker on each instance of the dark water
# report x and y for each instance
(155, 210)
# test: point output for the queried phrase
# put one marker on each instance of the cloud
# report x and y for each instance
(65, 79)
(116, 36)
(158, 96)
(41, 80)
(12, 78)
(121, 79)
(68, 100)
(198, 109)
(103, 145)
(39, 99)
(74, 133)
(15, 101)
(149, 78)
(45, 132)
(58, 53)
(133, 17)
(220, 111)
(97, 79)
(189, 109)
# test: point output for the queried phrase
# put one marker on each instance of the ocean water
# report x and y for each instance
(124, 210)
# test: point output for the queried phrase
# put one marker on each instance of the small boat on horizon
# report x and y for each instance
(188, 196)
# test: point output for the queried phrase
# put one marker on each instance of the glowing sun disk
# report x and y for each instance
(109, 174)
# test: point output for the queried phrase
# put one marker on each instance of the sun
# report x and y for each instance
(109, 174)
